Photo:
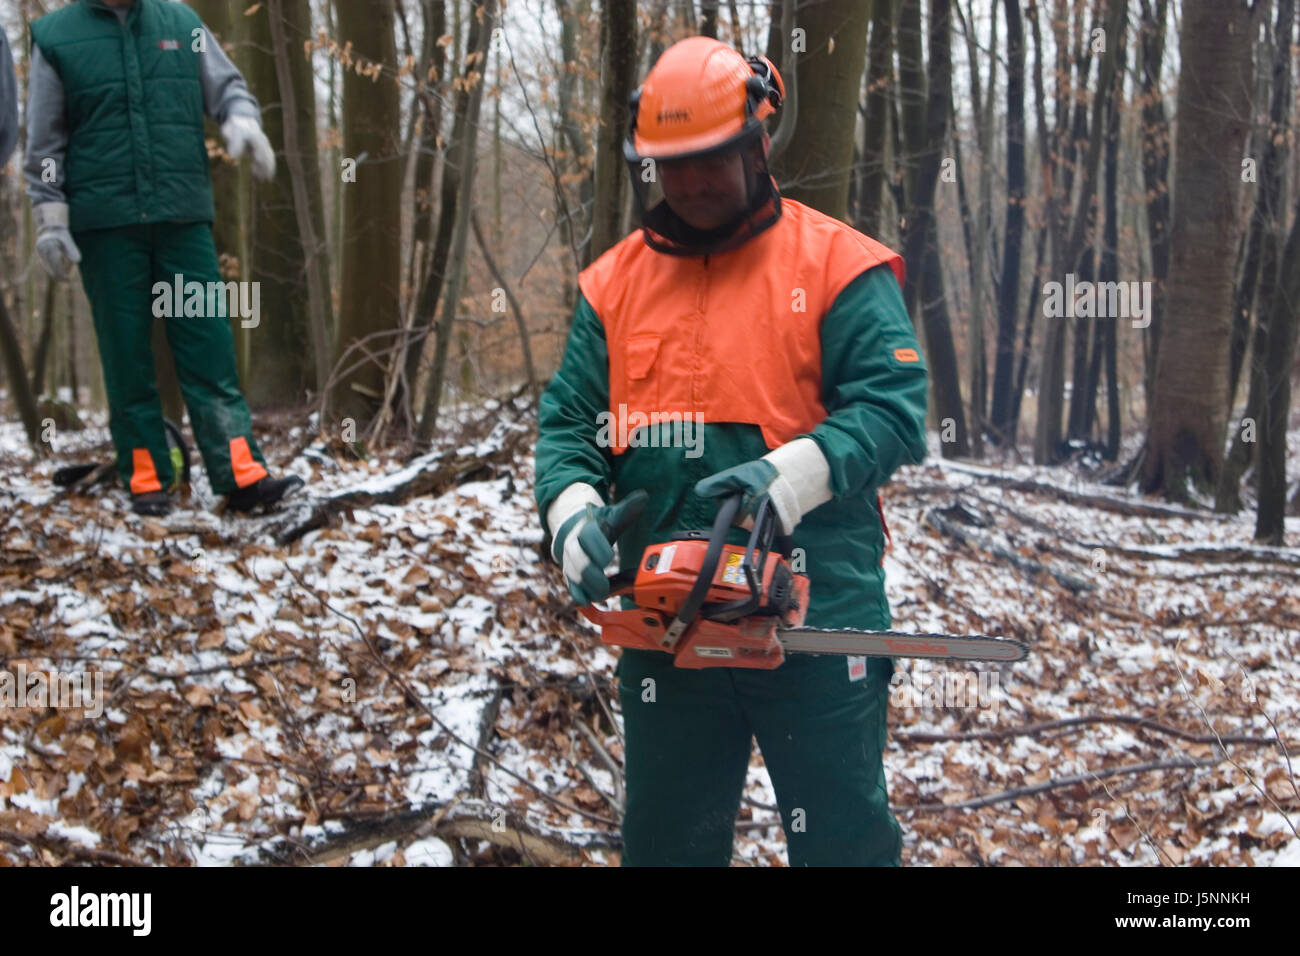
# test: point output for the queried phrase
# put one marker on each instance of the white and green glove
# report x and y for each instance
(586, 529)
(54, 245)
(796, 477)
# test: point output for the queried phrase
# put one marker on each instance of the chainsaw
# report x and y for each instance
(714, 604)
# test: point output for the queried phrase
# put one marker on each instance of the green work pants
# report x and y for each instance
(119, 269)
(822, 735)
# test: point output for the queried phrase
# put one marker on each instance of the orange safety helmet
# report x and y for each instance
(702, 98)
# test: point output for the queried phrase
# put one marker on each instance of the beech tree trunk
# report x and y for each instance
(1187, 418)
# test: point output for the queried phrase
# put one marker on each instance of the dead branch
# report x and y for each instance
(1146, 723)
(944, 526)
(1136, 509)
(455, 819)
(1060, 782)
(427, 474)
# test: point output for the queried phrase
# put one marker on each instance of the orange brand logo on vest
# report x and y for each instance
(645, 430)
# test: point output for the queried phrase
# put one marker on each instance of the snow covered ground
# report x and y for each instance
(265, 703)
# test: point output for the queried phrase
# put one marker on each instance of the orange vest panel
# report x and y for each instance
(734, 337)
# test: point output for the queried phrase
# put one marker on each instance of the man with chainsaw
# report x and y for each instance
(784, 331)
(117, 172)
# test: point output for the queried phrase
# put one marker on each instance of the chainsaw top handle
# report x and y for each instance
(760, 544)
(717, 539)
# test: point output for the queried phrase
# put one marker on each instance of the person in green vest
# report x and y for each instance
(117, 173)
(702, 312)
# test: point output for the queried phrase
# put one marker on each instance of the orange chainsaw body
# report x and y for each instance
(664, 580)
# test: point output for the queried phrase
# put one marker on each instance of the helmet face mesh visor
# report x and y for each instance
(665, 231)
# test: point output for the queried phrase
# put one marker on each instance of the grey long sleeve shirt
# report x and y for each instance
(225, 94)
(8, 101)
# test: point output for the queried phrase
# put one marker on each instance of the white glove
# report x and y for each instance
(803, 481)
(244, 134)
(54, 245)
(571, 555)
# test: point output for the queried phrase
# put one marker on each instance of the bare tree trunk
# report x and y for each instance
(814, 167)
(1022, 368)
(280, 367)
(709, 18)
(529, 368)
(1268, 228)
(1051, 390)
(1284, 315)
(1269, 204)
(482, 17)
(1048, 162)
(880, 74)
(1090, 350)
(977, 227)
(1155, 175)
(19, 385)
(304, 172)
(1009, 286)
(921, 240)
(370, 297)
(619, 19)
(436, 269)
(1185, 434)
(41, 358)
(1107, 329)
(576, 228)
(429, 86)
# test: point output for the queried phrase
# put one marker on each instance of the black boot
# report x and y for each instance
(152, 503)
(263, 493)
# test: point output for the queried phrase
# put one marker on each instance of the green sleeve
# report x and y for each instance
(875, 401)
(567, 450)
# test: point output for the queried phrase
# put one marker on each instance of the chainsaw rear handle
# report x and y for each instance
(624, 515)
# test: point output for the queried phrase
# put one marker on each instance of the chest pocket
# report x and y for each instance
(642, 352)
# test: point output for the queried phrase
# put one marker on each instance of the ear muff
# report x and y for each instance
(765, 84)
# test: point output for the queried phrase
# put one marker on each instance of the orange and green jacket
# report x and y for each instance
(799, 332)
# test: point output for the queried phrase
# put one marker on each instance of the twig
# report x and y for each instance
(1205, 717)
(1059, 782)
(1031, 729)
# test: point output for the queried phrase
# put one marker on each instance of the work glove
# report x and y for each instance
(584, 543)
(54, 245)
(796, 478)
(244, 134)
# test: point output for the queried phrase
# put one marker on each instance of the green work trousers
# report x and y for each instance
(119, 269)
(822, 735)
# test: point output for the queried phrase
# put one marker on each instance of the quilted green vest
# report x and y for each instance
(136, 152)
